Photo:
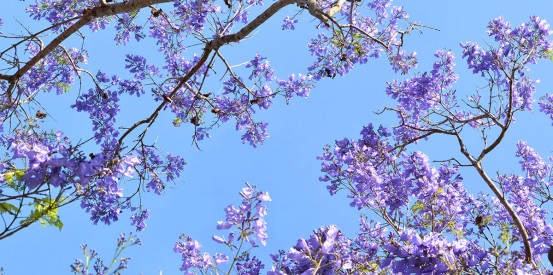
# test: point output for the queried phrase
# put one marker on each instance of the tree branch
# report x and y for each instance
(88, 15)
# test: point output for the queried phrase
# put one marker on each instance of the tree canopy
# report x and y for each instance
(128, 70)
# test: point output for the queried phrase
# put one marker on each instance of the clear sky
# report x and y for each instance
(286, 164)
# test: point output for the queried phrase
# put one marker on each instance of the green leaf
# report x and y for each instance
(46, 213)
(12, 178)
(417, 206)
(177, 122)
(64, 87)
(134, 13)
(505, 235)
(550, 54)
(8, 208)
(61, 60)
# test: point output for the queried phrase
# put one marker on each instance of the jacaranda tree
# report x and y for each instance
(418, 217)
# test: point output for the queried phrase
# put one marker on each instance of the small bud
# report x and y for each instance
(479, 221)
(216, 111)
(329, 73)
(343, 57)
(194, 120)
(156, 12)
(40, 115)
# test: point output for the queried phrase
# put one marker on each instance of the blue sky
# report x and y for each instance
(285, 165)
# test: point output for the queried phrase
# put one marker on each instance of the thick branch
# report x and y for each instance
(88, 15)
(477, 164)
(242, 33)
(336, 7)
(516, 219)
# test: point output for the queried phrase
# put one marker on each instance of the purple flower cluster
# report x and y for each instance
(533, 217)
(419, 96)
(246, 265)
(191, 255)
(433, 225)
(52, 161)
(300, 86)
(50, 158)
(154, 166)
(527, 193)
(327, 251)
(260, 68)
(288, 23)
(192, 15)
(380, 7)
(238, 101)
(166, 35)
(125, 27)
(141, 71)
(103, 197)
(530, 39)
(370, 36)
(546, 105)
(55, 72)
(139, 219)
(413, 253)
(56, 11)
(247, 220)
(62, 13)
(123, 242)
(427, 209)
(102, 107)
(516, 48)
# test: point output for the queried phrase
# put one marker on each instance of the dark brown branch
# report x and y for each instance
(477, 164)
(88, 15)
(241, 34)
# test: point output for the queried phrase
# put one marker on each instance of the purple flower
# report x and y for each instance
(288, 23)
(325, 252)
(246, 265)
(245, 221)
(193, 14)
(91, 256)
(139, 220)
(546, 105)
(300, 86)
(125, 27)
(191, 255)
(248, 217)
